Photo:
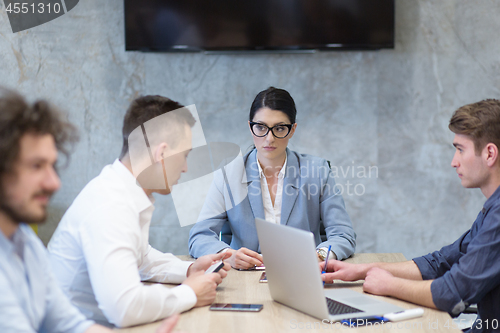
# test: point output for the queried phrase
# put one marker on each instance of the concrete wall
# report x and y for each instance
(386, 109)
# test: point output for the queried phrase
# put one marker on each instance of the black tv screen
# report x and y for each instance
(242, 25)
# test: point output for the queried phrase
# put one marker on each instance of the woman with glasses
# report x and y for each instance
(283, 186)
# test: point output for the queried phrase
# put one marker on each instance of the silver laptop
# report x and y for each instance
(294, 277)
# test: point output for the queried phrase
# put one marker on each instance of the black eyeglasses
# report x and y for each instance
(279, 131)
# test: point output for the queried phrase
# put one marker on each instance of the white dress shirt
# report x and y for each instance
(272, 213)
(100, 253)
(30, 298)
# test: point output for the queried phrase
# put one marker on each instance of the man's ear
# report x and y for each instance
(161, 152)
(491, 154)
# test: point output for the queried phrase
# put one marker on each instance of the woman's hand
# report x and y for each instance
(244, 258)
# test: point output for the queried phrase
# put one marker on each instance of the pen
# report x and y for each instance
(326, 259)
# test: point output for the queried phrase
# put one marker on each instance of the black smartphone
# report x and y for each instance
(263, 278)
(236, 307)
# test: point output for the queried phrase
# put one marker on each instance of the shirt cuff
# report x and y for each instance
(186, 296)
(426, 269)
(446, 297)
(184, 266)
(179, 266)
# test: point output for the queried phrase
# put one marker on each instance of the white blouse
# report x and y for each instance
(272, 213)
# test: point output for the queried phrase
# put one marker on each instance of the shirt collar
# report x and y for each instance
(281, 174)
(6, 244)
(491, 200)
(14, 244)
(139, 197)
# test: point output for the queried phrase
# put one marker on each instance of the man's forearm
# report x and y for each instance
(353, 272)
(406, 270)
(381, 282)
(418, 292)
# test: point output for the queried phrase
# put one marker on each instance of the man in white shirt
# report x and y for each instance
(100, 251)
(31, 300)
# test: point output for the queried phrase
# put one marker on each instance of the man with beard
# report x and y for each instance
(31, 300)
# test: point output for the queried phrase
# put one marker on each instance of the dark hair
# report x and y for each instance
(18, 118)
(480, 121)
(274, 99)
(148, 107)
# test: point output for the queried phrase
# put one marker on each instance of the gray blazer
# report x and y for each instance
(309, 198)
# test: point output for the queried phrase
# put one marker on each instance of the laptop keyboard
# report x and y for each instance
(336, 308)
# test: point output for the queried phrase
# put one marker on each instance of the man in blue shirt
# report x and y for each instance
(467, 271)
(31, 300)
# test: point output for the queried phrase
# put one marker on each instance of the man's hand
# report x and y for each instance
(377, 282)
(204, 286)
(339, 270)
(203, 263)
(244, 258)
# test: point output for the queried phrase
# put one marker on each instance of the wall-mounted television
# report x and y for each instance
(258, 25)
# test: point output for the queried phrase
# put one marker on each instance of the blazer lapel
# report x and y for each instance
(290, 186)
(253, 183)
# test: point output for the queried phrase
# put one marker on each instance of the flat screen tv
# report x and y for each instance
(258, 25)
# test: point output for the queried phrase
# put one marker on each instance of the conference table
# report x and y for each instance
(244, 287)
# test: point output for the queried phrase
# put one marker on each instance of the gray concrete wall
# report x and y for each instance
(386, 109)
